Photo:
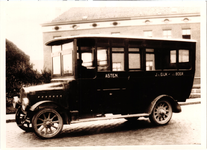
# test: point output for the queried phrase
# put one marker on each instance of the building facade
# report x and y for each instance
(156, 22)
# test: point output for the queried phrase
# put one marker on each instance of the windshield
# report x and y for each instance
(62, 59)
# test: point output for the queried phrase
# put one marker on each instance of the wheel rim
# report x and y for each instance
(48, 123)
(162, 112)
(23, 121)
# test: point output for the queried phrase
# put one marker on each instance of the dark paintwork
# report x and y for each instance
(124, 92)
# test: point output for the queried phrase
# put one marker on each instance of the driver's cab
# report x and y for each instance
(85, 58)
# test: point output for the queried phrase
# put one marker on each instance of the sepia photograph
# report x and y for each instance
(103, 75)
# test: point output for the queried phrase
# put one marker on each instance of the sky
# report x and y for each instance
(22, 26)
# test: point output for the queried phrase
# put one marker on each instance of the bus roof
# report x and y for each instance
(70, 38)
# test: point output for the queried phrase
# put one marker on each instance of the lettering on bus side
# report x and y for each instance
(111, 75)
(165, 74)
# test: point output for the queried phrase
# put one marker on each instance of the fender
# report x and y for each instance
(67, 116)
(175, 106)
(33, 107)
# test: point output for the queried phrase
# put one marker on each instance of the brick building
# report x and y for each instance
(160, 22)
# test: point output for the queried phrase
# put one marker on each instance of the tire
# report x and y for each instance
(161, 113)
(23, 121)
(47, 123)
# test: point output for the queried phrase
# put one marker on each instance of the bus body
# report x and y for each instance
(129, 77)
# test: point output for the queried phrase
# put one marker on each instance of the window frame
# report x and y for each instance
(61, 53)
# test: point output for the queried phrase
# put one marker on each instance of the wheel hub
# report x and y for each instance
(162, 112)
(48, 123)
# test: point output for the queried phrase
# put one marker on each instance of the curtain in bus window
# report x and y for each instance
(134, 61)
(67, 63)
(87, 59)
(150, 62)
(56, 65)
(173, 56)
(102, 59)
(134, 58)
(183, 55)
(117, 62)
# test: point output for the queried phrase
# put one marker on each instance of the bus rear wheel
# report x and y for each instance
(161, 113)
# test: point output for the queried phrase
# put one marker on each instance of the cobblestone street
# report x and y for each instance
(183, 129)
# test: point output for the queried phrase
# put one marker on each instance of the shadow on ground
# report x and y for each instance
(99, 128)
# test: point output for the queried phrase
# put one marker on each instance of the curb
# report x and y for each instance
(190, 102)
(10, 120)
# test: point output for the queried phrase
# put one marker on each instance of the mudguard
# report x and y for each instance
(66, 117)
(175, 106)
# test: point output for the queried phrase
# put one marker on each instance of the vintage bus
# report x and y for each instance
(95, 75)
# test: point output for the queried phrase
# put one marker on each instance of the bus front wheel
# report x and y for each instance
(47, 123)
(161, 113)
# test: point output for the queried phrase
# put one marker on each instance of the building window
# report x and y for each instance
(167, 33)
(186, 34)
(148, 33)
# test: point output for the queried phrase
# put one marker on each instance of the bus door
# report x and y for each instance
(86, 84)
(111, 79)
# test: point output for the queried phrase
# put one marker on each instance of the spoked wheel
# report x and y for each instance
(23, 121)
(162, 113)
(47, 123)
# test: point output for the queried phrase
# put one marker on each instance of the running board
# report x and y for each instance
(108, 117)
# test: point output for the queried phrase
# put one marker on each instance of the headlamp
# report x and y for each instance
(25, 103)
(15, 101)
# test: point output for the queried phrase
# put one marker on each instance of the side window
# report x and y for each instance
(56, 65)
(87, 57)
(150, 60)
(56, 68)
(67, 57)
(183, 56)
(134, 59)
(85, 62)
(171, 57)
(62, 59)
(117, 59)
(103, 61)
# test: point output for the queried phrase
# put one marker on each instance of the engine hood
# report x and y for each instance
(45, 87)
